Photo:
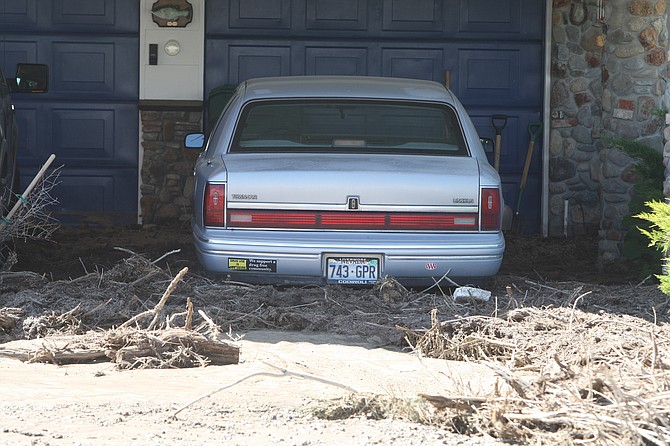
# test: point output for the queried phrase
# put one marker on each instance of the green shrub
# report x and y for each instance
(658, 233)
(651, 173)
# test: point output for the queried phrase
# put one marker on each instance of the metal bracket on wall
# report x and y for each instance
(574, 15)
(600, 15)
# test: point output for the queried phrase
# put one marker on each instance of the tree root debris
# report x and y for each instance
(130, 346)
(599, 378)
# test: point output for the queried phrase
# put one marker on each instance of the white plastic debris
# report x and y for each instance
(468, 293)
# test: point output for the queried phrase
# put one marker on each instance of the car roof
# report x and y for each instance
(345, 87)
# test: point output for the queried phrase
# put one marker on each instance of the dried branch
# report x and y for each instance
(161, 304)
(32, 219)
(281, 374)
(157, 311)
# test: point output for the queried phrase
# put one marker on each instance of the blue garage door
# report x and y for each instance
(89, 117)
(490, 50)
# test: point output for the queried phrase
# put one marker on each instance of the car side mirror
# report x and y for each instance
(487, 144)
(194, 141)
(31, 78)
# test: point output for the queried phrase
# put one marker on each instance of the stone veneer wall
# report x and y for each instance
(167, 168)
(608, 79)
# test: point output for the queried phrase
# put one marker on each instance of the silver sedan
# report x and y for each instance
(346, 180)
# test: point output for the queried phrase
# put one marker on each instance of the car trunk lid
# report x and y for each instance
(376, 182)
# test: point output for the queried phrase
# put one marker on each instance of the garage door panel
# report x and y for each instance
(418, 63)
(336, 15)
(99, 196)
(83, 67)
(16, 51)
(80, 67)
(258, 61)
(267, 14)
(27, 120)
(499, 76)
(216, 71)
(83, 12)
(94, 16)
(94, 69)
(18, 13)
(336, 61)
(501, 19)
(502, 16)
(80, 134)
(527, 216)
(504, 20)
(488, 76)
(216, 18)
(415, 15)
(84, 134)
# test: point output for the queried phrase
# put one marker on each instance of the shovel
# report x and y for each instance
(534, 128)
(499, 122)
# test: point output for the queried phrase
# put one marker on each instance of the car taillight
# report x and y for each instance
(215, 205)
(491, 212)
(384, 221)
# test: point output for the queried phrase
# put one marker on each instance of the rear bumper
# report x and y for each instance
(299, 257)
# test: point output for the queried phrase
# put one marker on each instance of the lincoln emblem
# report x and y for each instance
(352, 203)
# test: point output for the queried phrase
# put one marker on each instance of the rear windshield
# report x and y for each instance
(349, 126)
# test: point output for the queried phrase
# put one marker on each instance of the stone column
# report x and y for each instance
(576, 117)
(635, 51)
(607, 80)
(167, 168)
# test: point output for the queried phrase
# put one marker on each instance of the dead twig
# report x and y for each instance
(167, 254)
(282, 372)
(214, 330)
(574, 306)
(161, 304)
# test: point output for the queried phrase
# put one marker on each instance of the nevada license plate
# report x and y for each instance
(352, 270)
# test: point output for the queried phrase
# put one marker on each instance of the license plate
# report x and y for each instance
(352, 270)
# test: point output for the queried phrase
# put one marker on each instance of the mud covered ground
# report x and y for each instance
(576, 354)
(74, 251)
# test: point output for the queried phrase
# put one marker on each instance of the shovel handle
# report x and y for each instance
(526, 167)
(524, 176)
(534, 128)
(499, 122)
(496, 153)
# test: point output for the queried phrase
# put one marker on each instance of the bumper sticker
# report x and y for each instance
(256, 265)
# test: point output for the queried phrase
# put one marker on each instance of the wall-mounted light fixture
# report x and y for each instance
(172, 47)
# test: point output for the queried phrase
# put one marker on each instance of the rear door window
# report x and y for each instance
(352, 126)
